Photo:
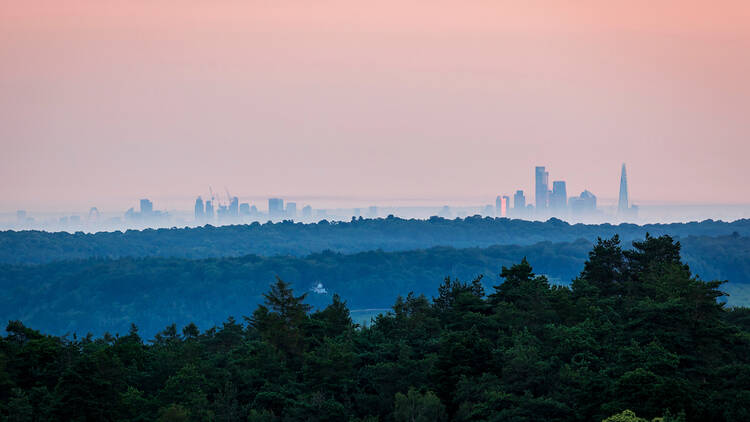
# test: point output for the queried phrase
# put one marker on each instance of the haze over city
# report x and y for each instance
(389, 102)
(375, 211)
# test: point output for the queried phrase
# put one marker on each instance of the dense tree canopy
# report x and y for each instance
(98, 295)
(288, 238)
(636, 336)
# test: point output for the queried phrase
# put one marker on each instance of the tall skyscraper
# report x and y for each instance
(209, 210)
(234, 207)
(541, 188)
(147, 207)
(506, 206)
(307, 212)
(519, 201)
(200, 211)
(244, 208)
(623, 204)
(499, 209)
(291, 210)
(558, 200)
(275, 208)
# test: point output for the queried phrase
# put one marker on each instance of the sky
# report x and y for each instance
(104, 102)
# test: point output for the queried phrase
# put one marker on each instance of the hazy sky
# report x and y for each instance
(103, 102)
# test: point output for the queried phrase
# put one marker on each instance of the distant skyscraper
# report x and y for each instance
(502, 205)
(372, 211)
(209, 210)
(275, 208)
(222, 212)
(93, 214)
(583, 204)
(147, 207)
(622, 204)
(541, 188)
(200, 211)
(558, 200)
(307, 211)
(519, 201)
(445, 212)
(244, 208)
(291, 210)
(234, 207)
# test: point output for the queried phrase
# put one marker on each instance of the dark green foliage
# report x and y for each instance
(636, 337)
(358, 235)
(102, 295)
(417, 407)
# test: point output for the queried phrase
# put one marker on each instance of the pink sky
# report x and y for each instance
(104, 102)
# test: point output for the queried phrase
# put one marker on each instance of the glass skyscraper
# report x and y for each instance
(542, 188)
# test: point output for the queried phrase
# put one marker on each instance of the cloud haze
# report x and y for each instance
(107, 101)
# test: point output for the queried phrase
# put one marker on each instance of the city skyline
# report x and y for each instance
(392, 210)
(343, 201)
(118, 100)
(222, 210)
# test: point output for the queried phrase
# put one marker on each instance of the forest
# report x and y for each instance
(635, 337)
(358, 235)
(98, 295)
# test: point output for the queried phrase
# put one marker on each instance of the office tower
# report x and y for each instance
(200, 210)
(622, 204)
(541, 188)
(253, 210)
(234, 207)
(209, 210)
(147, 207)
(306, 212)
(519, 201)
(222, 212)
(583, 204)
(372, 212)
(501, 206)
(445, 212)
(93, 214)
(275, 208)
(558, 200)
(244, 208)
(291, 210)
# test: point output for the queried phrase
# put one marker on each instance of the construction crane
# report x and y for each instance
(213, 197)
